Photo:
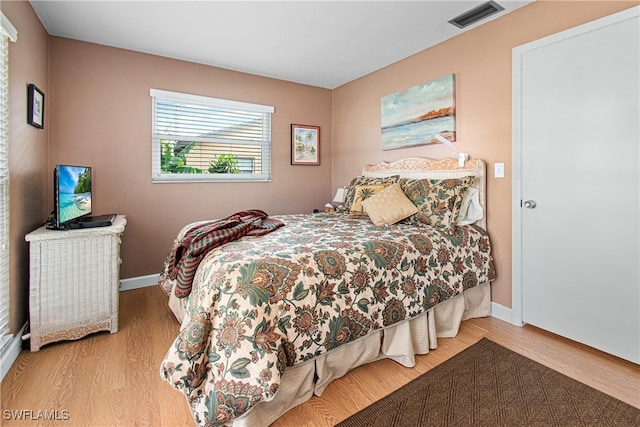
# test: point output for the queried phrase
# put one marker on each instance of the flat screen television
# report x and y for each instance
(71, 195)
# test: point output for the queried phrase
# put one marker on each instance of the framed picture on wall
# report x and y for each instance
(305, 145)
(415, 116)
(35, 106)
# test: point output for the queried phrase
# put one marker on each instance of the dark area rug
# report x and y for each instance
(489, 385)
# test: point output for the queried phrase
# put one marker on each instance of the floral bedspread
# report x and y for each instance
(260, 304)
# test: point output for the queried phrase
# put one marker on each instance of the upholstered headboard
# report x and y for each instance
(446, 168)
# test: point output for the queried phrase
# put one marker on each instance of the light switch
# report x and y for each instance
(498, 170)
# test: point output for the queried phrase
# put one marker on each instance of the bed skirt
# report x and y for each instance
(400, 342)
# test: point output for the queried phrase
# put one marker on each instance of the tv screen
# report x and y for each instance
(72, 194)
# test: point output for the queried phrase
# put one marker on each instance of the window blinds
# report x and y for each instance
(8, 32)
(196, 130)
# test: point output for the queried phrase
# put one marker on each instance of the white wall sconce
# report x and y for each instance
(462, 157)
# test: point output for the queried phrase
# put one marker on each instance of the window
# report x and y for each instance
(196, 138)
(7, 32)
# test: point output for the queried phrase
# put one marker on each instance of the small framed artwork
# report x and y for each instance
(305, 145)
(35, 106)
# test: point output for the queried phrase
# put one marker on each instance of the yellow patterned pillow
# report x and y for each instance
(365, 180)
(389, 206)
(362, 193)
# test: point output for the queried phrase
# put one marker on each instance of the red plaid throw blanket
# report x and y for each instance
(185, 256)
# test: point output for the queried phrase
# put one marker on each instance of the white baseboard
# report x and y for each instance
(10, 352)
(501, 312)
(139, 282)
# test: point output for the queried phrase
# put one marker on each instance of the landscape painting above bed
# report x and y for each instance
(271, 319)
(414, 116)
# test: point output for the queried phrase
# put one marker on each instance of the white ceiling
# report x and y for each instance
(319, 43)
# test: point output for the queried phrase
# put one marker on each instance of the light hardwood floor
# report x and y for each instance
(113, 379)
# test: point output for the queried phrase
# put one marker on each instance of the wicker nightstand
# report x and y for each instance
(74, 281)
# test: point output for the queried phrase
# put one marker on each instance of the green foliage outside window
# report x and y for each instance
(175, 161)
(224, 163)
(172, 162)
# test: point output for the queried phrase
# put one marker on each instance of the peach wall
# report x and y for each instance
(28, 149)
(481, 62)
(100, 113)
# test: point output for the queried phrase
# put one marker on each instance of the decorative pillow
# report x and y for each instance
(362, 193)
(438, 200)
(388, 206)
(365, 180)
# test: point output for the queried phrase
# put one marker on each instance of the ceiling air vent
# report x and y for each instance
(476, 14)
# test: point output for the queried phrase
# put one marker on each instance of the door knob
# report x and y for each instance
(530, 204)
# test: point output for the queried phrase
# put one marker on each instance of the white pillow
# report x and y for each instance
(471, 209)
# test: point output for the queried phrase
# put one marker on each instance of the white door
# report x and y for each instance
(576, 173)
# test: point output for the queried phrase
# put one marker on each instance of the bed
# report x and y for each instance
(271, 320)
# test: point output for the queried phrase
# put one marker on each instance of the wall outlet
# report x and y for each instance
(498, 170)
